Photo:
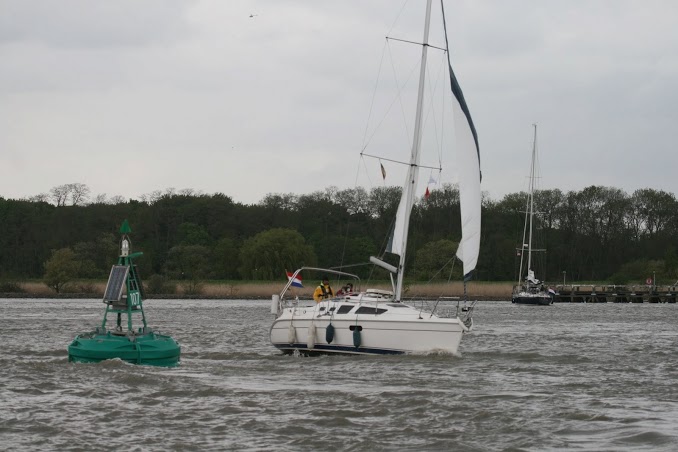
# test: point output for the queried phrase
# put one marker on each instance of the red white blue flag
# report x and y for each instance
(296, 281)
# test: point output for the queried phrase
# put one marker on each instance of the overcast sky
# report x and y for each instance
(132, 96)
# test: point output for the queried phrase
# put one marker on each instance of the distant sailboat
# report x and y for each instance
(530, 290)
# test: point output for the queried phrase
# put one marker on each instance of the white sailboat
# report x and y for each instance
(378, 321)
(530, 290)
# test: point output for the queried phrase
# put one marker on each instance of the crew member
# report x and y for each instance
(323, 291)
(346, 290)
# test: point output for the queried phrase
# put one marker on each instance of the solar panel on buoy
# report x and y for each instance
(116, 282)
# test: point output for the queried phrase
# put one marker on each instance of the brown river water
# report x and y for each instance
(562, 377)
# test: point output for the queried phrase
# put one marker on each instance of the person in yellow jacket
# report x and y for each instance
(323, 291)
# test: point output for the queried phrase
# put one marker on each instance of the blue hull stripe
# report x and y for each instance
(321, 348)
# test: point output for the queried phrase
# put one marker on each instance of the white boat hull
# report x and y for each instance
(399, 330)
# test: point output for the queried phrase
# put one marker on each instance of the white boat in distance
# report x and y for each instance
(378, 321)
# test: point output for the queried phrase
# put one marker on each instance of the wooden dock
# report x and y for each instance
(588, 293)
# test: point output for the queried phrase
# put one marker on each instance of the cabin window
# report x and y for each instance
(368, 310)
(321, 308)
(345, 309)
(396, 305)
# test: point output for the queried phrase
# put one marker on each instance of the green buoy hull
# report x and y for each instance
(149, 349)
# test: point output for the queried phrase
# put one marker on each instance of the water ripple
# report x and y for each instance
(570, 377)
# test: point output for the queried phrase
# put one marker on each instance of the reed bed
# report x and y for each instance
(258, 290)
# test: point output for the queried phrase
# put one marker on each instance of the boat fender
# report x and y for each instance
(311, 337)
(275, 301)
(468, 323)
(329, 333)
(356, 338)
(291, 334)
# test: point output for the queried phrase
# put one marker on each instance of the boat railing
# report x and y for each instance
(323, 270)
(282, 302)
(440, 306)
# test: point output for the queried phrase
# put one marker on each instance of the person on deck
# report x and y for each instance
(347, 289)
(323, 291)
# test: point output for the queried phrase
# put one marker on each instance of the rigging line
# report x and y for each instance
(441, 269)
(399, 96)
(367, 173)
(431, 111)
(441, 142)
(402, 8)
(358, 207)
(416, 43)
(374, 94)
(400, 162)
(348, 223)
(435, 306)
(395, 99)
(351, 265)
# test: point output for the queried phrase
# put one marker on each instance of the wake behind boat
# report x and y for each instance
(378, 321)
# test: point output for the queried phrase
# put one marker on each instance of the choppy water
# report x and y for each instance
(569, 376)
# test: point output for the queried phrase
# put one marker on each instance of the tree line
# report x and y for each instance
(596, 234)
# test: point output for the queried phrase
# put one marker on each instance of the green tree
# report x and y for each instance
(225, 257)
(97, 256)
(435, 260)
(61, 269)
(192, 234)
(188, 262)
(269, 253)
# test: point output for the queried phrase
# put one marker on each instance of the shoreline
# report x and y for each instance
(248, 290)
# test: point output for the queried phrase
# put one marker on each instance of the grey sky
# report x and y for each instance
(129, 97)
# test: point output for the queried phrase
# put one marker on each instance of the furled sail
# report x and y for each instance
(531, 278)
(394, 245)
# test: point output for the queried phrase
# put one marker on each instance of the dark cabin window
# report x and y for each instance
(366, 310)
(344, 309)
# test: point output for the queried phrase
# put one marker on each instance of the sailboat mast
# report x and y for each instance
(534, 154)
(413, 172)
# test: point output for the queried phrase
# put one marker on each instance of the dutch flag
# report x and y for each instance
(296, 282)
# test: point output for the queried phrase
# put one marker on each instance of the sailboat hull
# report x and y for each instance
(533, 299)
(304, 329)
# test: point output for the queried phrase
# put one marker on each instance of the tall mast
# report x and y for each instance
(534, 154)
(413, 172)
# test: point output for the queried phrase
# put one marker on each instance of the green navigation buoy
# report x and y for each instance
(124, 296)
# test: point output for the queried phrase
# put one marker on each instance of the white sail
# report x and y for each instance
(469, 192)
(531, 278)
(468, 161)
(395, 244)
